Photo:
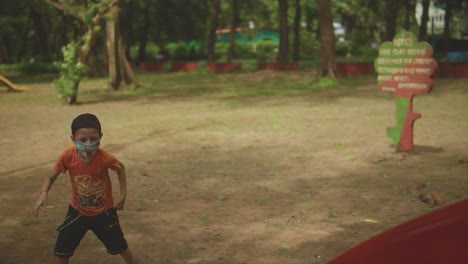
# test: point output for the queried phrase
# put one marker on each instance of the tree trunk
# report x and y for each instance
(85, 53)
(129, 36)
(21, 46)
(4, 50)
(410, 10)
(119, 68)
(234, 23)
(284, 34)
(115, 77)
(39, 27)
(424, 20)
(391, 14)
(327, 41)
(297, 32)
(214, 26)
(309, 18)
(73, 99)
(62, 38)
(144, 35)
(447, 19)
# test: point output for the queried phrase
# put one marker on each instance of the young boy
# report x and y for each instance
(92, 206)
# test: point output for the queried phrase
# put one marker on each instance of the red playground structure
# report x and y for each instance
(440, 237)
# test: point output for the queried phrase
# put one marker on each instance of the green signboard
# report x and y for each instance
(405, 67)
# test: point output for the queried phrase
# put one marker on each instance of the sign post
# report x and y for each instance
(405, 67)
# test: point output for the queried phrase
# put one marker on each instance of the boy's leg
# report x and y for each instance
(71, 232)
(61, 260)
(127, 256)
(107, 228)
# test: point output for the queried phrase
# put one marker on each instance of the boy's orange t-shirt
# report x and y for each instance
(91, 185)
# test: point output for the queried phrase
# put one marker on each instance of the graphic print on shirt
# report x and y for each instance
(91, 193)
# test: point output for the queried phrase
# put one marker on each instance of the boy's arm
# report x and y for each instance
(46, 184)
(119, 204)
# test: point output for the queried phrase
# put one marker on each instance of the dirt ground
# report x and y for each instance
(298, 179)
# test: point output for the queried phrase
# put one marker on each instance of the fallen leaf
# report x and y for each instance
(370, 220)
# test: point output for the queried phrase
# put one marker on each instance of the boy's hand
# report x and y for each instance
(119, 204)
(41, 201)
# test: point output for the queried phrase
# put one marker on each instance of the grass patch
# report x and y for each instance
(260, 202)
(286, 251)
(204, 219)
(184, 252)
(203, 82)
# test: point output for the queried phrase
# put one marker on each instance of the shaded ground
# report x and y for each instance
(219, 179)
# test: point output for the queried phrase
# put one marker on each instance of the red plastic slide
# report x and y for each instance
(440, 237)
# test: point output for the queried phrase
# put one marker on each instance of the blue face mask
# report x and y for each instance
(86, 152)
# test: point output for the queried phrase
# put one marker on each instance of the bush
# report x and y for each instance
(183, 51)
(152, 52)
(177, 50)
(266, 50)
(37, 68)
(71, 72)
(310, 46)
(29, 68)
(241, 51)
(342, 49)
(194, 51)
(221, 50)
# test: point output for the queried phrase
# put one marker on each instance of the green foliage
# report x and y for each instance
(355, 52)
(342, 49)
(71, 71)
(221, 51)
(183, 51)
(92, 9)
(326, 83)
(177, 51)
(151, 51)
(310, 45)
(241, 51)
(194, 50)
(28, 68)
(266, 50)
(355, 59)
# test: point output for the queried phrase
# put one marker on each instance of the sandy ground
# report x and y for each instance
(216, 180)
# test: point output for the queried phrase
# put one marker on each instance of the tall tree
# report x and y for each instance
(363, 22)
(40, 25)
(410, 6)
(391, 14)
(128, 34)
(297, 31)
(283, 55)
(143, 41)
(91, 15)
(234, 25)
(447, 23)
(310, 13)
(28, 31)
(327, 40)
(424, 20)
(119, 68)
(450, 6)
(212, 34)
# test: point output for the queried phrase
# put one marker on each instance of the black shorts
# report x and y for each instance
(105, 226)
